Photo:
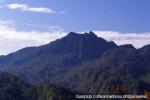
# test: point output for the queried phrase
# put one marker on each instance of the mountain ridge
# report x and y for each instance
(56, 57)
(82, 62)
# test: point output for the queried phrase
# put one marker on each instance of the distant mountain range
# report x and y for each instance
(82, 62)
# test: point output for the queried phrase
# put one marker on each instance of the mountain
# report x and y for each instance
(123, 66)
(84, 63)
(12, 88)
(49, 62)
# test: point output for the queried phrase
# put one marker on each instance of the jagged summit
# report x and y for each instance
(73, 33)
(91, 33)
(85, 45)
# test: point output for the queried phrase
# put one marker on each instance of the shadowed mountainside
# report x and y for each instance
(48, 62)
(124, 66)
(82, 62)
(12, 88)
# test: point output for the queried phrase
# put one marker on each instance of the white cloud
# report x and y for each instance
(25, 7)
(136, 39)
(12, 40)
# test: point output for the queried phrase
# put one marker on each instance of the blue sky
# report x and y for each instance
(35, 22)
(84, 15)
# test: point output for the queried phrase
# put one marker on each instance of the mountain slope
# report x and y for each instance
(12, 88)
(125, 66)
(48, 62)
